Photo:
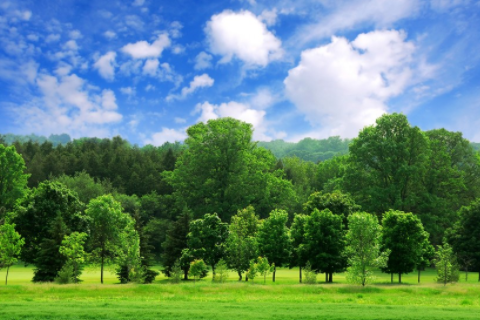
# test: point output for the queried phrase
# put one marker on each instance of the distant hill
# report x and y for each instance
(308, 149)
(55, 139)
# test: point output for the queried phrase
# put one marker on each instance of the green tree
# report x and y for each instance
(241, 245)
(465, 235)
(13, 180)
(223, 171)
(197, 268)
(273, 239)
(330, 174)
(176, 242)
(252, 271)
(297, 236)
(72, 249)
(43, 218)
(264, 268)
(128, 259)
(325, 243)
(221, 271)
(302, 175)
(404, 236)
(428, 253)
(387, 165)
(11, 244)
(85, 186)
(107, 222)
(446, 263)
(336, 201)
(206, 239)
(363, 248)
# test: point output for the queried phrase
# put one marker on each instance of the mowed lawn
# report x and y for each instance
(286, 299)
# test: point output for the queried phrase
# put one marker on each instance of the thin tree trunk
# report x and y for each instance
(300, 274)
(330, 277)
(418, 275)
(479, 277)
(6, 278)
(101, 271)
(239, 276)
(326, 277)
(399, 277)
(391, 277)
(274, 270)
(185, 274)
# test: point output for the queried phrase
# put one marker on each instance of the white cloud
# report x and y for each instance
(138, 3)
(143, 50)
(203, 60)
(269, 17)
(175, 29)
(110, 34)
(244, 36)
(150, 67)
(263, 99)
(347, 14)
(71, 45)
(202, 81)
(180, 120)
(166, 135)
(344, 86)
(443, 5)
(52, 38)
(129, 91)
(69, 104)
(240, 111)
(106, 65)
(32, 37)
(75, 34)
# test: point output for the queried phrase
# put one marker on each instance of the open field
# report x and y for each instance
(206, 300)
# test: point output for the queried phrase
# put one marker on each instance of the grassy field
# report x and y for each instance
(286, 299)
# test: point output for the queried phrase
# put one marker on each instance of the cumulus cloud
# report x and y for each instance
(202, 81)
(244, 36)
(106, 65)
(69, 104)
(344, 86)
(110, 34)
(138, 3)
(166, 135)
(203, 60)
(443, 5)
(144, 50)
(150, 67)
(240, 111)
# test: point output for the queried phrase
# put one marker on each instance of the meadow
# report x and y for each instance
(284, 299)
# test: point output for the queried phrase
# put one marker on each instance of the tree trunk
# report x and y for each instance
(418, 275)
(6, 278)
(274, 270)
(213, 273)
(330, 277)
(391, 277)
(399, 277)
(101, 270)
(185, 274)
(326, 277)
(478, 276)
(239, 276)
(300, 274)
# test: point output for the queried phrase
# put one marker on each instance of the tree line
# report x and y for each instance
(222, 198)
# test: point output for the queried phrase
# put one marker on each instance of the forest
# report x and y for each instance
(395, 199)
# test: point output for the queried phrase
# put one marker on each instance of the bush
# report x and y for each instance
(221, 272)
(65, 275)
(310, 275)
(176, 272)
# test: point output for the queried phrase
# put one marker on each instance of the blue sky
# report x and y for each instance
(146, 70)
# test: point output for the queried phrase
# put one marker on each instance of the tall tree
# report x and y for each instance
(404, 236)
(297, 235)
(43, 218)
(273, 239)
(241, 245)
(13, 179)
(107, 222)
(387, 164)
(72, 249)
(223, 171)
(363, 247)
(11, 244)
(465, 235)
(206, 239)
(446, 263)
(336, 201)
(325, 243)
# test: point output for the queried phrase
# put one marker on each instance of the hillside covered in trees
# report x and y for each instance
(222, 197)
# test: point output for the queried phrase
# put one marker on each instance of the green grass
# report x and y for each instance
(286, 299)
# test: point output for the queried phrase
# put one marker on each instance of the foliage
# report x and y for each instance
(273, 239)
(337, 202)
(302, 175)
(197, 268)
(72, 249)
(330, 174)
(85, 186)
(223, 171)
(299, 256)
(447, 265)
(404, 236)
(241, 245)
(13, 180)
(264, 268)
(43, 218)
(66, 274)
(325, 242)
(128, 257)
(310, 275)
(11, 244)
(363, 248)
(206, 239)
(107, 224)
(221, 272)
(252, 271)
(176, 272)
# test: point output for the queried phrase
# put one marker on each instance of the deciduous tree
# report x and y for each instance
(11, 244)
